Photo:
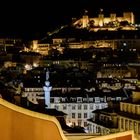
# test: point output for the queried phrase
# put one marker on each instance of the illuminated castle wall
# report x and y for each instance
(101, 19)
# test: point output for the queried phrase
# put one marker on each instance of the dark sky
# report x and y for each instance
(36, 18)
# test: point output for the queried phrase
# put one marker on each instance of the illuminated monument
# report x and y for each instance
(47, 88)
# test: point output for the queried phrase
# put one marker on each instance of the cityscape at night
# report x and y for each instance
(70, 70)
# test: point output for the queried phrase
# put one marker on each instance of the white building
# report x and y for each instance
(78, 105)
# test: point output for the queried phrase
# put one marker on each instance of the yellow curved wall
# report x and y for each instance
(17, 123)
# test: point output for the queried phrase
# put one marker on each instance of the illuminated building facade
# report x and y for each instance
(104, 121)
(78, 107)
(115, 72)
(131, 44)
(43, 48)
(129, 116)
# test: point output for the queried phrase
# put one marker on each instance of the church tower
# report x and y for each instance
(47, 88)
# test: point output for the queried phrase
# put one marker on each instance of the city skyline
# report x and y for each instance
(86, 74)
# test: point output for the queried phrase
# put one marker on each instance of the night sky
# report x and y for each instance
(28, 19)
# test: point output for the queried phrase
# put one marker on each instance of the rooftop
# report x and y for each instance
(109, 111)
(129, 115)
(132, 101)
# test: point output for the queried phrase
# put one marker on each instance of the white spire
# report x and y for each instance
(47, 88)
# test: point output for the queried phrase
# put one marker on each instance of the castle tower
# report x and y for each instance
(129, 16)
(113, 17)
(35, 44)
(47, 88)
(85, 20)
(101, 18)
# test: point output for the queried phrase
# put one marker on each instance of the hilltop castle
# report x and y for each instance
(102, 21)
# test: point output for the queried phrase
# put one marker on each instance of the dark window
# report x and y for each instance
(73, 115)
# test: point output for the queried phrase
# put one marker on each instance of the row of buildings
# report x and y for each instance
(97, 111)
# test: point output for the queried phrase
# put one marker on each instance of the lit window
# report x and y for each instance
(124, 44)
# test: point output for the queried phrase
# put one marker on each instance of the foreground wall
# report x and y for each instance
(127, 135)
(17, 123)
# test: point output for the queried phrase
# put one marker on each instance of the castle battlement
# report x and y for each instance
(101, 20)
